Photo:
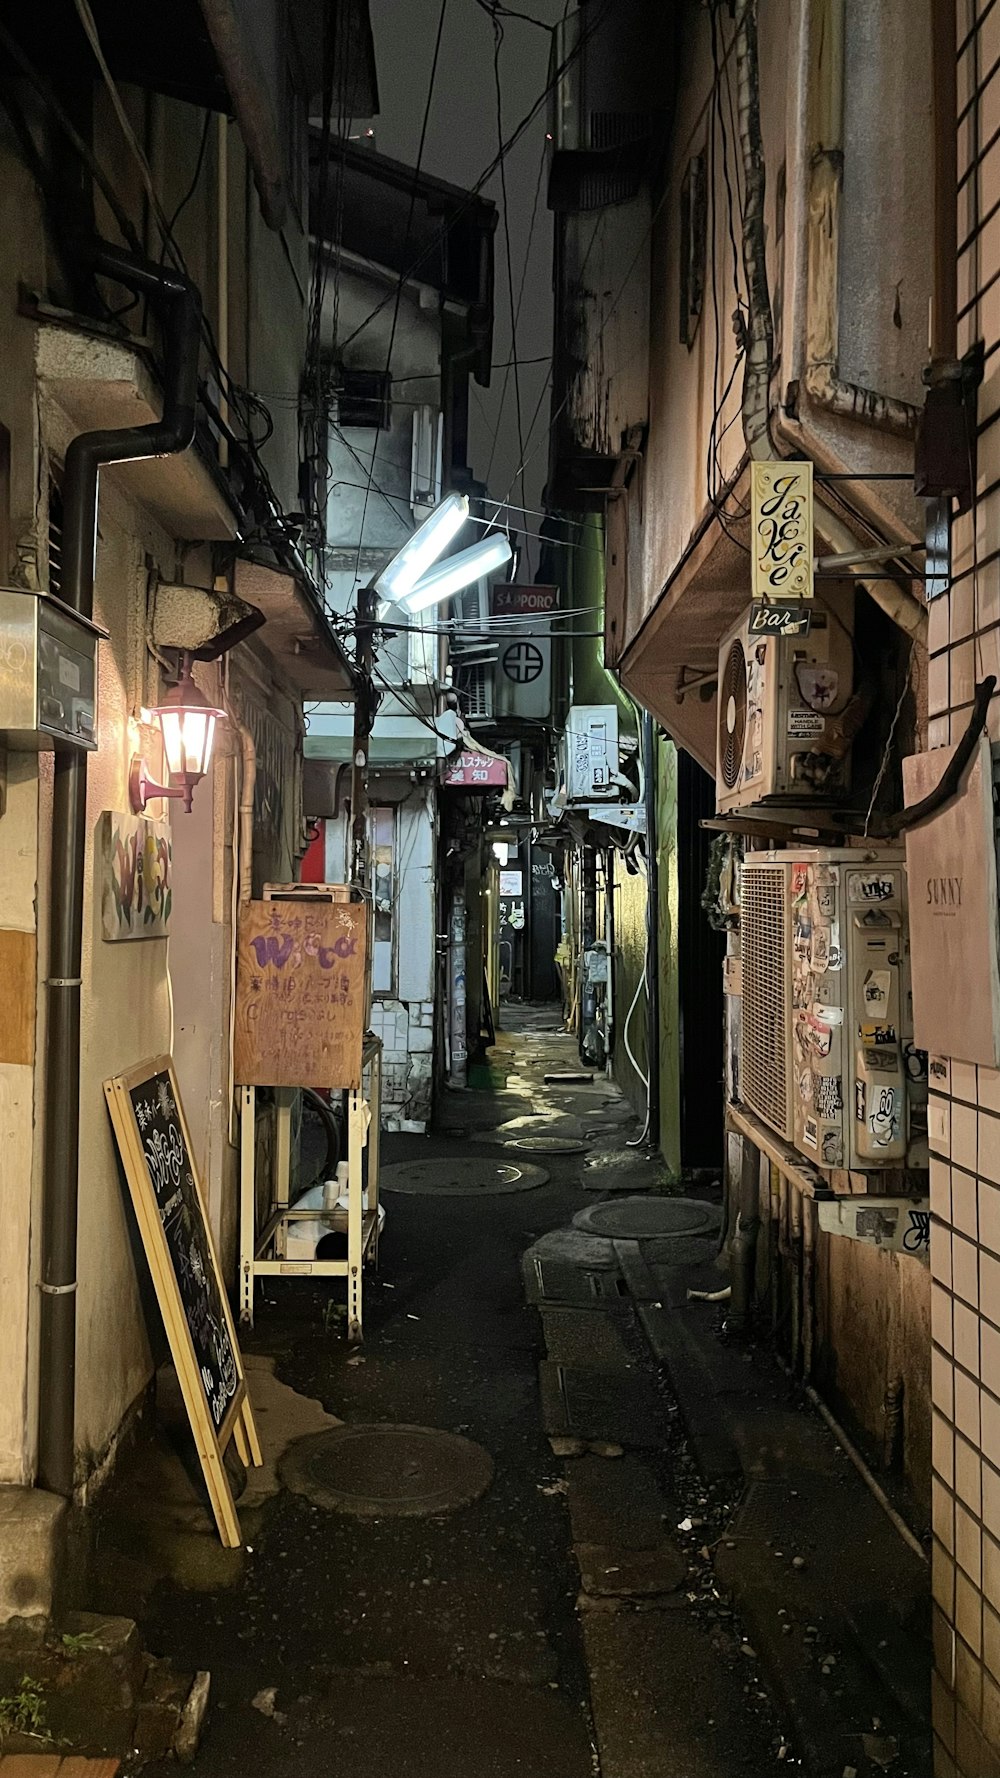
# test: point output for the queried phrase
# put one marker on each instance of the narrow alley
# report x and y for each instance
(500, 888)
(564, 1606)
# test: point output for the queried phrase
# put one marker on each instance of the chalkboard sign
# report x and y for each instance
(155, 1148)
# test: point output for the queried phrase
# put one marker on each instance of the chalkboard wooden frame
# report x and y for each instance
(238, 1422)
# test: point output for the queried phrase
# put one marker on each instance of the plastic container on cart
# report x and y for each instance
(303, 1238)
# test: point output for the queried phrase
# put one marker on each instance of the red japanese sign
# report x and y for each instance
(477, 771)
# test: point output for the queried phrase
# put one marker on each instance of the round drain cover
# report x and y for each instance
(649, 1219)
(455, 1177)
(387, 1471)
(547, 1145)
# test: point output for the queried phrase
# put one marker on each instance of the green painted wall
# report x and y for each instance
(578, 668)
(630, 944)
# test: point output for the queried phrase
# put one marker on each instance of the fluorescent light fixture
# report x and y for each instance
(459, 571)
(421, 551)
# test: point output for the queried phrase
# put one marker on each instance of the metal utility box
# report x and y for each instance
(828, 1057)
(48, 674)
(591, 753)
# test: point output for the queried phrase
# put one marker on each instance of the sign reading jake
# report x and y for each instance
(300, 994)
(781, 500)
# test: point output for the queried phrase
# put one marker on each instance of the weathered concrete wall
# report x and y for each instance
(872, 1330)
(882, 276)
(126, 1013)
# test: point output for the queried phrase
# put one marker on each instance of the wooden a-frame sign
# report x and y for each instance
(155, 1148)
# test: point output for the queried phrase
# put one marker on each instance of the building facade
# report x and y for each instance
(736, 283)
(406, 325)
(194, 158)
(964, 647)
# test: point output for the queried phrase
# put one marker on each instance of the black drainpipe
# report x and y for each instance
(178, 307)
(648, 744)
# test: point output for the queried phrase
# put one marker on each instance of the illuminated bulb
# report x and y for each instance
(460, 571)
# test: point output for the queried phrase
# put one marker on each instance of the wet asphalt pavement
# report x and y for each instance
(454, 1646)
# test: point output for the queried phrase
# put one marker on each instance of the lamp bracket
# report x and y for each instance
(142, 789)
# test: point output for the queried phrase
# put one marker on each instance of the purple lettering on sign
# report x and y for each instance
(269, 949)
(341, 947)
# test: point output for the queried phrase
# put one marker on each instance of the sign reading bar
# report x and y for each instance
(155, 1146)
(300, 994)
(477, 771)
(510, 600)
(787, 618)
(781, 500)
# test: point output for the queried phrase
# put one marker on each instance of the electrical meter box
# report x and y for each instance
(48, 674)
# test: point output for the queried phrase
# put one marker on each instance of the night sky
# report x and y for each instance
(461, 141)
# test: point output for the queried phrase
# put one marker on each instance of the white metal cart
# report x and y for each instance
(263, 1249)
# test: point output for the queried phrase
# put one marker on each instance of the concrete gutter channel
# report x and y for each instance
(834, 1603)
(823, 1599)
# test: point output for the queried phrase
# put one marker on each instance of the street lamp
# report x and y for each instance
(459, 571)
(187, 724)
(409, 578)
(422, 549)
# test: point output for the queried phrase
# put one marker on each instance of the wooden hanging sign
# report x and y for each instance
(155, 1147)
(301, 993)
(781, 551)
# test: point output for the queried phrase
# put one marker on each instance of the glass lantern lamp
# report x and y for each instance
(187, 724)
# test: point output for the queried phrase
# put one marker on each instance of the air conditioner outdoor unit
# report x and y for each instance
(827, 1054)
(779, 697)
(590, 759)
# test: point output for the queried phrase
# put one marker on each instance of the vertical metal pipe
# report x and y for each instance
(222, 239)
(744, 1248)
(648, 743)
(944, 298)
(459, 1069)
(795, 1218)
(609, 929)
(180, 311)
(588, 934)
(529, 922)
(808, 1286)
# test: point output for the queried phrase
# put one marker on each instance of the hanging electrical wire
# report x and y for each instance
(497, 47)
(436, 240)
(400, 281)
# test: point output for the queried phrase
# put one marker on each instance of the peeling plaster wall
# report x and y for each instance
(883, 257)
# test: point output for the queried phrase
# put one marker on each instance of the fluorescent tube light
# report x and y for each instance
(422, 550)
(459, 571)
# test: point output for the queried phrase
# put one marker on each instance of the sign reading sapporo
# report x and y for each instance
(781, 500)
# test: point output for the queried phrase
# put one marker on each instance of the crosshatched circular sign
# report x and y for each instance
(522, 662)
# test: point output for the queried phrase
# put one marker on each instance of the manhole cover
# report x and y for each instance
(547, 1145)
(387, 1471)
(648, 1219)
(452, 1176)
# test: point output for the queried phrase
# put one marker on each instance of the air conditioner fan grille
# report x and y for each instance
(733, 715)
(764, 1057)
